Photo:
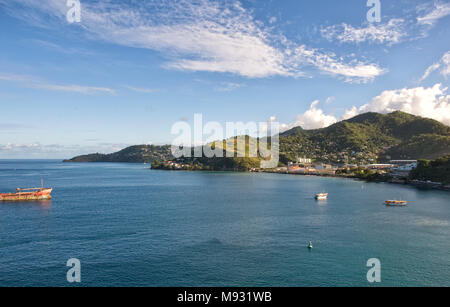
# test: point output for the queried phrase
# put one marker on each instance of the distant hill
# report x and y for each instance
(133, 154)
(366, 138)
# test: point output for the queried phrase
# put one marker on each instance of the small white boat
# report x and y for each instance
(310, 246)
(321, 196)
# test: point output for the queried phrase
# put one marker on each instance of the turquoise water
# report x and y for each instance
(130, 226)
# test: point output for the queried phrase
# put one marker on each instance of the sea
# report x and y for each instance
(128, 225)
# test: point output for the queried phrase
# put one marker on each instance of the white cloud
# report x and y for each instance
(36, 83)
(197, 35)
(443, 64)
(432, 102)
(430, 70)
(438, 11)
(330, 99)
(391, 32)
(349, 113)
(446, 64)
(355, 71)
(313, 118)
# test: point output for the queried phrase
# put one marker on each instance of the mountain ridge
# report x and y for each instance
(366, 138)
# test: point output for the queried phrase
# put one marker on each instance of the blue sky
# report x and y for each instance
(131, 69)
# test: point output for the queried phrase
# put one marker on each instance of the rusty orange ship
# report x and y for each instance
(32, 194)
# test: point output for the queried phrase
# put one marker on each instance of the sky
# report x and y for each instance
(129, 70)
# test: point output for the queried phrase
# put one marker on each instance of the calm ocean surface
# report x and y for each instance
(131, 226)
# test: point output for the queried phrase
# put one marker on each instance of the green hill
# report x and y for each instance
(369, 137)
(366, 138)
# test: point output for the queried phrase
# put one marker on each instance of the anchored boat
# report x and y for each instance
(321, 196)
(31, 194)
(396, 203)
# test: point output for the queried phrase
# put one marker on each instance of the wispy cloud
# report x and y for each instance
(391, 32)
(58, 48)
(430, 70)
(12, 147)
(198, 35)
(394, 31)
(228, 86)
(437, 11)
(446, 64)
(223, 86)
(443, 64)
(37, 83)
(330, 99)
(140, 89)
(353, 71)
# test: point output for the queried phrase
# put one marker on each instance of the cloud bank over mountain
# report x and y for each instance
(432, 102)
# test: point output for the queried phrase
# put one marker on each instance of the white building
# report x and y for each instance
(404, 165)
(379, 166)
(304, 161)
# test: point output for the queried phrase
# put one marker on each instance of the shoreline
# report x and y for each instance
(414, 183)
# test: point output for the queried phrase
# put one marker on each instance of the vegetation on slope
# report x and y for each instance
(368, 138)
(436, 171)
(231, 160)
(133, 154)
(423, 146)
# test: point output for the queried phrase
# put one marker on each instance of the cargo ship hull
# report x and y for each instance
(42, 194)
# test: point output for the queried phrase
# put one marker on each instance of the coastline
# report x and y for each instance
(414, 183)
(425, 185)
